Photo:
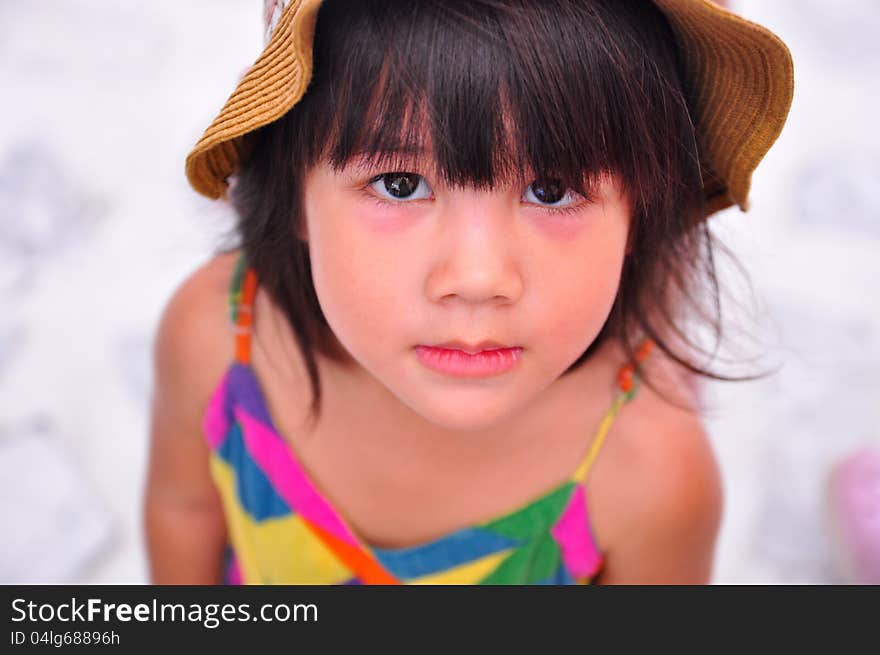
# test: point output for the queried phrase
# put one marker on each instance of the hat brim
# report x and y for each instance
(741, 81)
(739, 77)
(274, 84)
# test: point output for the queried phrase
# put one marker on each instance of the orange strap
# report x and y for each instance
(244, 318)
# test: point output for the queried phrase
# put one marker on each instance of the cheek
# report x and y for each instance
(580, 288)
(357, 281)
(383, 222)
(562, 230)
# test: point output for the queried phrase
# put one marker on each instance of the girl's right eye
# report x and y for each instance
(400, 186)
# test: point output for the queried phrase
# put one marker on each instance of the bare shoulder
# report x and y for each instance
(660, 481)
(193, 345)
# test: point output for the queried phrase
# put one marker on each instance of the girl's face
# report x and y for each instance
(400, 261)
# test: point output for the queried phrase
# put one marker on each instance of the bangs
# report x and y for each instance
(491, 93)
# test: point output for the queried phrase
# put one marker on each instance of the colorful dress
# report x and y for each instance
(283, 530)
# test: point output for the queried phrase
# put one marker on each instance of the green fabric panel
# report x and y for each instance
(535, 518)
(513, 570)
(529, 564)
(546, 558)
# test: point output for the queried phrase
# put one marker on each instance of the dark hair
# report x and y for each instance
(572, 87)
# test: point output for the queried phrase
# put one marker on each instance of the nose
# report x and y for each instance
(476, 250)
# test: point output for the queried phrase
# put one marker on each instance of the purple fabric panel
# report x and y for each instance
(245, 389)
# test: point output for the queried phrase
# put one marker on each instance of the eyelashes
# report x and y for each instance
(399, 188)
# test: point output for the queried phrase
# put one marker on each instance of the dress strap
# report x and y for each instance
(242, 291)
(628, 381)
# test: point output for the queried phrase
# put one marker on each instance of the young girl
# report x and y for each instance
(468, 232)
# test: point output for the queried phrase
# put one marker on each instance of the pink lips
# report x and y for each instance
(460, 363)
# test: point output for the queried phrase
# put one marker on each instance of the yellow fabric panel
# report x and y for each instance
(285, 547)
(293, 555)
(224, 478)
(466, 574)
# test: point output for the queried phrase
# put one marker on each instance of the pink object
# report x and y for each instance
(572, 533)
(462, 364)
(854, 503)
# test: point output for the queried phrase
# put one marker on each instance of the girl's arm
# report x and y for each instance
(670, 512)
(183, 516)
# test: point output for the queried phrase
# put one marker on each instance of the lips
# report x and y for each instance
(451, 358)
(471, 348)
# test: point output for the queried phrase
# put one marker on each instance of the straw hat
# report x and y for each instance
(743, 73)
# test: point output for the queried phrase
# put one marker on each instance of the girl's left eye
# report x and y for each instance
(400, 186)
(551, 194)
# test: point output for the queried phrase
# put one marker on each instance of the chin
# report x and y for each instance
(464, 411)
(458, 422)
